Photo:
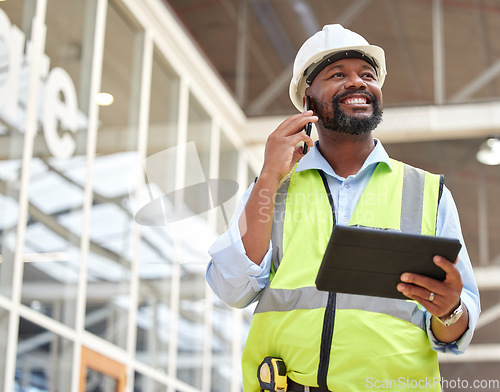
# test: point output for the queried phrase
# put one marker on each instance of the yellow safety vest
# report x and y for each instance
(340, 341)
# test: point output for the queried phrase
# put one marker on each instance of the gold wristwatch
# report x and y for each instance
(453, 317)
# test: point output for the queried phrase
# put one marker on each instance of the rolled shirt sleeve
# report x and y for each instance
(448, 225)
(233, 277)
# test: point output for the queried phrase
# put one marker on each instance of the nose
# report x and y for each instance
(354, 81)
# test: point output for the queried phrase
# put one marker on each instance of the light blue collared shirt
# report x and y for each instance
(238, 281)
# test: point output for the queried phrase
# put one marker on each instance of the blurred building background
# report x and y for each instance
(101, 279)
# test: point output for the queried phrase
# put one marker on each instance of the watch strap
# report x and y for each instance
(453, 317)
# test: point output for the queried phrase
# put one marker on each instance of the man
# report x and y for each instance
(276, 240)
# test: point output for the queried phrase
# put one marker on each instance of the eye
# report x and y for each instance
(337, 75)
(368, 75)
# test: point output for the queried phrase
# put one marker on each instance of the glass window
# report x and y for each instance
(58, 169)
(156, 247)
(158, 169)
(252, 175)
(143, 383)
(171, 254)
(164, 106)
(228, 174)
(112, 230)
(44, 360)
(13, 93)
(191, 246)
(197, 162)
(222, 341)
(99, 382)
(4, 327)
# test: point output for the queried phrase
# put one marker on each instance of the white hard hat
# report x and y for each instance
(330, 44)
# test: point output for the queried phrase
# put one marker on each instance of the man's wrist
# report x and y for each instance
(453, 317)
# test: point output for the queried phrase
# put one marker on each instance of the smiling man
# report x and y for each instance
(354, 112)
(275, 242)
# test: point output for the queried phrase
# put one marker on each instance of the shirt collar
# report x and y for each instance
(314, 160)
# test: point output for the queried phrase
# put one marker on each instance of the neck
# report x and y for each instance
(345, 153)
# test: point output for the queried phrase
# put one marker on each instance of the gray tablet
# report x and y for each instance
(370, 261)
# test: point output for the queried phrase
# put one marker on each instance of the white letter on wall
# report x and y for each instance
(56, 110)
(13, 41)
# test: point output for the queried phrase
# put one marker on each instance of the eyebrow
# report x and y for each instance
(365, 66)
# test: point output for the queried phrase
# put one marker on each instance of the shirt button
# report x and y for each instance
(346, 185)
(345, 219)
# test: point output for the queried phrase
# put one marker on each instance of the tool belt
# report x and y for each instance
(295, 387)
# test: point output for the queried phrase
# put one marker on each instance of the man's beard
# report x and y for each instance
(339, 121)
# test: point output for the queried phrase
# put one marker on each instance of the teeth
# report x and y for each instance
(355, 101)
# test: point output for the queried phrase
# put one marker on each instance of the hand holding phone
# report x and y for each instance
(308, 126)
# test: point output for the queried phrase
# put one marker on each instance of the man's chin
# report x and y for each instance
(360, 116)
(349, 120)
(353, 125)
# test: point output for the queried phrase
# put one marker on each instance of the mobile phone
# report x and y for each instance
(308, 126)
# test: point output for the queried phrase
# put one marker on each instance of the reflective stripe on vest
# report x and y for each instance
(283, 300)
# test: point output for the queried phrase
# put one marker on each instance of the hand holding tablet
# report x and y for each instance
(370, 261)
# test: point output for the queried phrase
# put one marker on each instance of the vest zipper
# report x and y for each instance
(329, 319)
(326, 341)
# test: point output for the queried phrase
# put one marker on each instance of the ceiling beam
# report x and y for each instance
(438, 51)
(352, 12)
(283, 79)
(484, 43)
(269, 94)
(474, 86)
(306, 16)
(482, 219)
(276, 33)
(241, 53)
(398, 31)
